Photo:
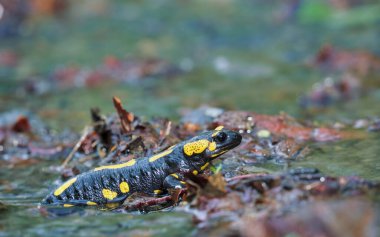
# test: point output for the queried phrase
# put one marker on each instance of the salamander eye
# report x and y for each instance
(221, 137)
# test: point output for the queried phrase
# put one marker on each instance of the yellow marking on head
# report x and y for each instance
(196, 147)
(89, 203)
(212, 146)
(64, 186)
(175, 176)
(157, 191)
(218, 154)
(68, 205)
(109, 194)
(205, 166)
(124, 187)
(159, 155)
(219, 128)
(214, 134)
(195, 172)
(117, 166)
(182, 182)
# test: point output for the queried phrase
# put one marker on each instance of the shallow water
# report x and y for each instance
(239, 56)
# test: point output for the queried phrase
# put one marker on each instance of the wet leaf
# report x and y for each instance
(22, 125)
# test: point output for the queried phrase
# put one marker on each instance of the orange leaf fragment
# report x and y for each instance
(126, 118)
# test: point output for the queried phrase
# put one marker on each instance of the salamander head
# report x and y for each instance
(211, 144)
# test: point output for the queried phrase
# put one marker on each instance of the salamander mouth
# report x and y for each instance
(227, 147)
(231, 145)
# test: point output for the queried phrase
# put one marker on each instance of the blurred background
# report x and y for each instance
(58, 58)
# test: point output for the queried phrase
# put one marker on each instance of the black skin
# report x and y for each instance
(145, 176)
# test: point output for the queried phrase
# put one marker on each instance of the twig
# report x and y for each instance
(76, 147)
(168, 128)
(245, 176)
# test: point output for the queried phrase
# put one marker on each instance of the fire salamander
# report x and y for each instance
(154, 175)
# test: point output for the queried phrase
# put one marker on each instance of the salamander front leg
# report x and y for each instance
(173, 181)
(176, 187)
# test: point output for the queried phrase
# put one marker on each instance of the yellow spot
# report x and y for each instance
(89, 203)
(205, 166)
(118, 166)
(157, 191)
(64, 186)
(109, 194)
(195, 172)
(196, 147)
(159, 155)
(124, 187)
(182, 182)
(68, 205)
(212, 146)
(175, 175)
(219, 128)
